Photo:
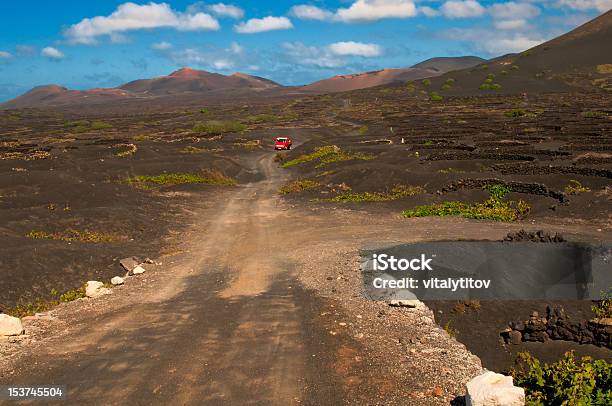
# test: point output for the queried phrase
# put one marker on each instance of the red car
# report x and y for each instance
(283, 143)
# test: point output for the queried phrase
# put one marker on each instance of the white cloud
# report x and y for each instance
(306, 12)
(428, 11)
(517, 43)
(226, 10)
(352, 48)
(161, 46)
(462, 9)
(370, 10)
(222, 64)
(5, 55)
(359, 11)
(131, 16)
(236, 48)
(52, 53)
(269, 23)
(307, 55)
(513, 10)
(511, 24)
(599, 5)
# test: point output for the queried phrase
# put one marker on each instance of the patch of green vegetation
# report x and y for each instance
(318, 153)
(426, 82)
(494, 208)
(74, 235)
(594, 114)
(363, 130)
(298, 186)
(515, 113)
(565, 382)
(574, 187)
(539, 75)
(504, 72)
(397, 192)
(448, 84)
(450, 170)
(130, 149)
(605, 69)
(141, 137)
(410, 87)
(484, 67)
(204, 111)
(602, 308)
(434, 96)
(210, 177)
(81, 126)
(215, 127)
(428, 142)
(490, 77)
(41, 306)
(515, 67)
(326, 155)
(450, 330)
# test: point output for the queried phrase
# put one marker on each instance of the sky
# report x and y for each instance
(88, 44)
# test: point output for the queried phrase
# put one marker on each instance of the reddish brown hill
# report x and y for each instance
(52, 95)
(343, 83)
(188, 80)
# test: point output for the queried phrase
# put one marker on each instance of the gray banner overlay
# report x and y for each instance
(487, 270)
(32, 392)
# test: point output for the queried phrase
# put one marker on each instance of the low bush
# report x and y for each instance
(494, 208)
(363, 130)
(434, 96)
(603, 308)
(426, 82)
(74, 235)
(594, 114)
(515, 113)
(210, 176)
(326, 155)
(574, 187)
(397, 192)
(298, 186)
(565, 382)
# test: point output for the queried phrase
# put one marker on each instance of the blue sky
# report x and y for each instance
(85, 44)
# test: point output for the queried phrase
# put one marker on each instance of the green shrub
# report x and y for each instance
(397, 192)
(211, 177)
(74, 235)
(326, 155)
(434, 96)
(603, 307)
(574, 187)
(594, 114)
(215, 127)
(426, 82)
(494, 208)
(298, 186)
(565, 382)
(363, 130)
(515, 113)
(318, 153)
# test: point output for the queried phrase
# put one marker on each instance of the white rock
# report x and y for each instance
(117, 280)
(10, 326)
(492, 389)
(138, 270)
(404, 303)
(95, 289)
